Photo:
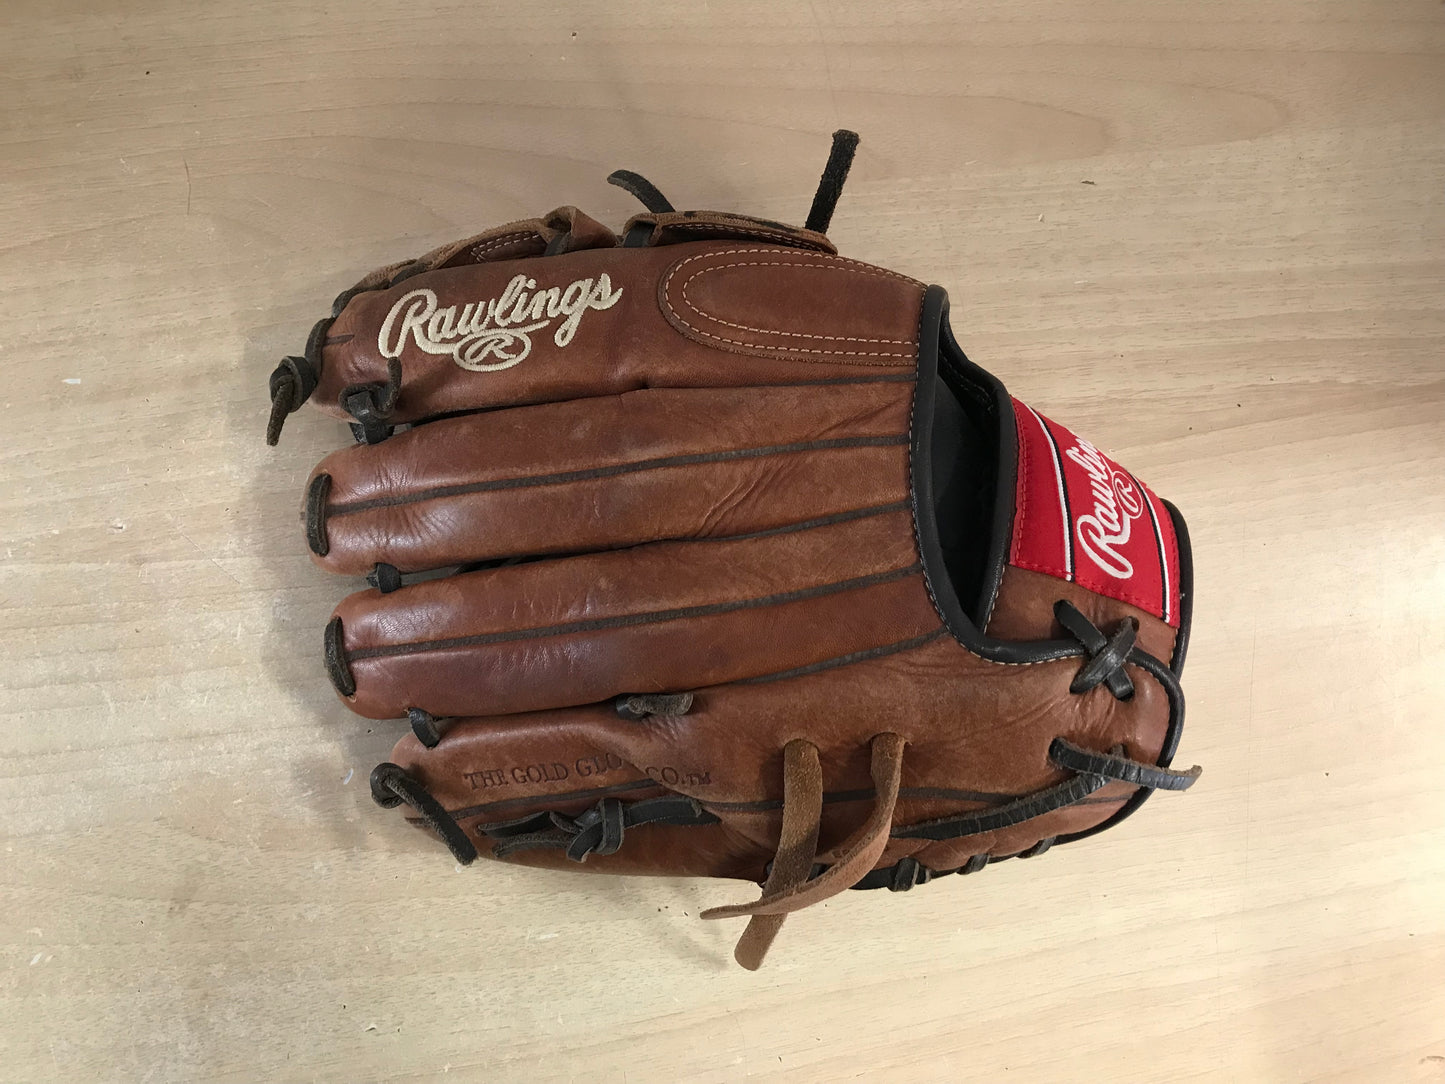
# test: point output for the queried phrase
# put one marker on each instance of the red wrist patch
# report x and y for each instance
(1080, 516)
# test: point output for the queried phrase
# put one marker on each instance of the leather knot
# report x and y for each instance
(595, 831)
(290, 385)
(1107, 655)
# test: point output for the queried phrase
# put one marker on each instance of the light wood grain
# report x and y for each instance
(1245, 305)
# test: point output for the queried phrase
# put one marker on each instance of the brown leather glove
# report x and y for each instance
(752, 572)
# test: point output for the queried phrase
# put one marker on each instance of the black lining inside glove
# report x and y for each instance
(963, 457)
(964, 449)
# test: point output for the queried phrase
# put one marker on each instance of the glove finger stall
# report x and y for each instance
(614, 471)
(605, 321)
(667, 617)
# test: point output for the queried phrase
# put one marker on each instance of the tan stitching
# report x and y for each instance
(913, 494)
(811, 261)
(1034, 662)
(773, 331)
(502, 242)
(1021, 493)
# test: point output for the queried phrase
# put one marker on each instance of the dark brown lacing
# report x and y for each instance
(371, 405)
(390, 786)
(645, 192)
(598, 830)
(794, 879)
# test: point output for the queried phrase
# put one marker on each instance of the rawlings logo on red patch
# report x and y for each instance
(1104, 532)
(1083, 518)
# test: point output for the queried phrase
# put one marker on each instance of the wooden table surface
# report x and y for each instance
(1209, 237)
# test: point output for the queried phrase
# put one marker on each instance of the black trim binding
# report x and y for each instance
(316, 496)
(941, 355)
(940, 588)
(1059, 796)
(938, 349)
(1186, 587)
(467, 812)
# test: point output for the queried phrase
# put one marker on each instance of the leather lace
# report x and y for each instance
(795, 879)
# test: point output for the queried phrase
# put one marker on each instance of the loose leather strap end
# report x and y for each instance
(797, 846)
(860, 853)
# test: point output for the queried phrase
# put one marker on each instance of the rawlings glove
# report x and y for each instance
(750, 572)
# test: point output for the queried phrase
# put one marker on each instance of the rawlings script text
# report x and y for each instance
(1117, 504)
(495, 333)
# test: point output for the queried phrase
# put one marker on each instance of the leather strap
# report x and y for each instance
(860, 853)
(797, 847)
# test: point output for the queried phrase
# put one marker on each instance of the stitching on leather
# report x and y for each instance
(1030, 662)
(810, 261)
(913, 490)
(860, 268)
(1021, 496)
(853, 658)
(771, 331)
(502, 242)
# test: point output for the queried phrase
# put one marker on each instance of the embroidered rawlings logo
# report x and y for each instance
(1117, 504)
(496, 333)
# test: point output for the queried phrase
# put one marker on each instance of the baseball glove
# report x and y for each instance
(748, 571)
